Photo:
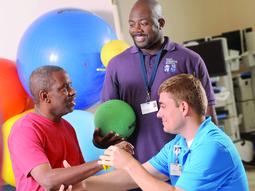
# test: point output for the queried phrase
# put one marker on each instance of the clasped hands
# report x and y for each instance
(118, 156)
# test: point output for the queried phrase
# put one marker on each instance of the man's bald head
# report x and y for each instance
(151, 5)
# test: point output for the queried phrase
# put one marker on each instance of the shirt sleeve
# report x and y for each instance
(197, 67)
(25, 147)
(111, 85)
(160, 160)
(203, 76)
(206, 169)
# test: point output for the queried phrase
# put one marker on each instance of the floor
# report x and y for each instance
(250, 170)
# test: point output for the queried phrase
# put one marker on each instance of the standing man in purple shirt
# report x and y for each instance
(135, 75)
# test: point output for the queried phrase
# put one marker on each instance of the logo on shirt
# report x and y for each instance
(177, 150)
(170, 65)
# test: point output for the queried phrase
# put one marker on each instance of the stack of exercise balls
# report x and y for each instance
(80, 42)
(71, 39)
(13, 101)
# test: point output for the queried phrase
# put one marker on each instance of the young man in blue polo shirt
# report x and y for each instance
(200, 157)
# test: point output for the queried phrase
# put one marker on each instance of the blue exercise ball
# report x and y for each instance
(71, 39)
(83, 123)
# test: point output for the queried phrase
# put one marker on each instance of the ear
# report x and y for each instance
(161, 22)
(184, 107)
(44, 96)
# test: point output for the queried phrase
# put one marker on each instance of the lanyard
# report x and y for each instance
(148, 84)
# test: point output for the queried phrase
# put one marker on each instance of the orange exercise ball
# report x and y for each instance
(1, 151)
(13, 97)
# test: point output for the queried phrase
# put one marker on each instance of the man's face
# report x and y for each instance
(170, 114)
(61, 94)
(143, 28)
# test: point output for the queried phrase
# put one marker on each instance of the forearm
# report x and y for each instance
(70, 176)
(145, 180)
(115, 180)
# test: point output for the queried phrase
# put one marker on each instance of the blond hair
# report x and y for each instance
(185, 87)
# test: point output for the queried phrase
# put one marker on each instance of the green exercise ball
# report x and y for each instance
(116, 116)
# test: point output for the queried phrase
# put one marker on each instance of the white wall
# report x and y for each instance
(191, 19)
(17, 15)
(185, 19)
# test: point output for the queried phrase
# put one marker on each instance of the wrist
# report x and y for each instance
(131, 165)
(98, 145)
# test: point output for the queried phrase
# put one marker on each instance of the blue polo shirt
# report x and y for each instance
(124, 81)
(211, 163)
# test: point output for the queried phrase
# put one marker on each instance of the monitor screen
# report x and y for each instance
(234, 40)
(213, 56)
(199, 40)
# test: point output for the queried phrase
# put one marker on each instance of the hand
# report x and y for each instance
(79, 186)
(66, 164)
(128, 147)
(62, 188)
(109, 139)
(116, 157)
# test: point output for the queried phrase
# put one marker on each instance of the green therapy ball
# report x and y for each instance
(116, 116)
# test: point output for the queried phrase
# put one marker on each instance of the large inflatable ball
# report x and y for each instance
(1, 145)
(83, 123)
(7, 171)
(13, 97)
(71, 39)
(116, 116)
(112, 49)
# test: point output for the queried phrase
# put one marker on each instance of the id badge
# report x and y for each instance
(149, 107)
(175, 169)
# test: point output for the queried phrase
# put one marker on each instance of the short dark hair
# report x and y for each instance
(41, 79)
(185, 87)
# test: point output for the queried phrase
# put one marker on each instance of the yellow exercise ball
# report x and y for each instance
(111, 49)
(7, 171)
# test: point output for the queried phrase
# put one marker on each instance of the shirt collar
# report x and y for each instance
(198, 137)
(201, 131)
(169, 46)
